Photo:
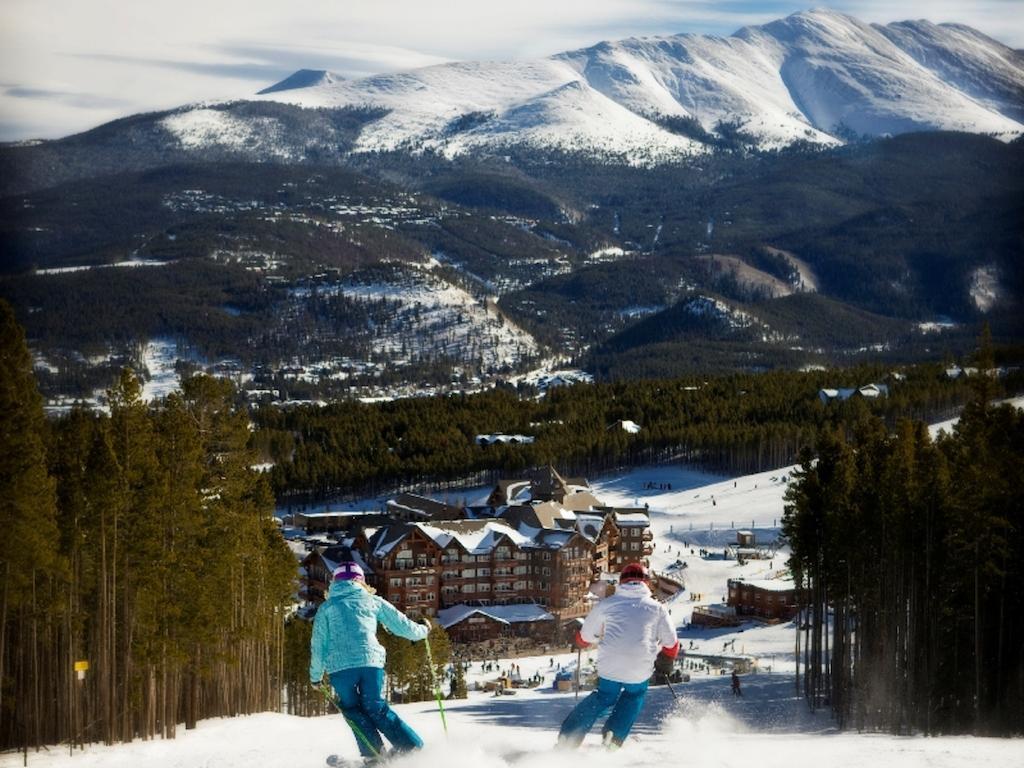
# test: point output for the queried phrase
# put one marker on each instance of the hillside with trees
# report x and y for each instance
(732, 423)
(908, 553)
(142, 542)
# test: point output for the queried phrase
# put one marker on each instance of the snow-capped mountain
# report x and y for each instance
(816, 76)
(304, 78)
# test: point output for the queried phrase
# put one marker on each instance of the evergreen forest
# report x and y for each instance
(908, 553)
(739, 423)
(141, 542)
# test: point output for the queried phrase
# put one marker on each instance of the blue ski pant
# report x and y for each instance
(627, 700)
(362, 703)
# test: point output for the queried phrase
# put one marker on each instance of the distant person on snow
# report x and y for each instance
(736, 684)
(634, 633)
(345, 646)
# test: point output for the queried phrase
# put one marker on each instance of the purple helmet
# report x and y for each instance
(348, 572)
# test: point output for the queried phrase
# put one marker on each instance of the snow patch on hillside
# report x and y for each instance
(204, 128)
(706, 306)
(434, 319)
(985, 287)
(159, 358)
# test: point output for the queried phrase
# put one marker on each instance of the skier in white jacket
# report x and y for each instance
(635, 636)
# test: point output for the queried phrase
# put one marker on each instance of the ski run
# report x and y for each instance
(768, 726)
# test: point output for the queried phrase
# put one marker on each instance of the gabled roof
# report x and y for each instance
(590, 526)
(544, 515)
(384, 539)
(422, 506)
(477, 537)
(505, 614)
(580, 501)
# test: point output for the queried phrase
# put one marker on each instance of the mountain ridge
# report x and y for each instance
(815, 76)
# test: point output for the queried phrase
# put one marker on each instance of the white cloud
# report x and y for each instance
(74, 64)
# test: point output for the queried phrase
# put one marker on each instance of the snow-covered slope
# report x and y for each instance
(770, 726)
(816, 76)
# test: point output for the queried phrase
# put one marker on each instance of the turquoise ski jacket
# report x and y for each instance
(345, 630)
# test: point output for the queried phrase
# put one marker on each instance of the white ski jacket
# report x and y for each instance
(630, 627)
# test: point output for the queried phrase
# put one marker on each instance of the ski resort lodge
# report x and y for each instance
(520, 566)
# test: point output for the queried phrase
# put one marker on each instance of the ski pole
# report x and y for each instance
(437, 688)
(671, 689)
(579, 657)
(323, 690)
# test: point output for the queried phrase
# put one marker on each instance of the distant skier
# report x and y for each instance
(736, 684)
(345, 646)
(635, 633)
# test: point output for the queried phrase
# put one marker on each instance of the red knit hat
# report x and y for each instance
(634, 572)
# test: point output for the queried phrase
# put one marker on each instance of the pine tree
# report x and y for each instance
(31, 567)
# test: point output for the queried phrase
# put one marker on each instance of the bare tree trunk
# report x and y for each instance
(977, 645)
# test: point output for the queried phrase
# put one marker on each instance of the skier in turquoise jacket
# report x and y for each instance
(345, 647)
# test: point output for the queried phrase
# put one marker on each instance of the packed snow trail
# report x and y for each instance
(769, 727)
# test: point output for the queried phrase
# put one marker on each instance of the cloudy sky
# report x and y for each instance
(68, 65)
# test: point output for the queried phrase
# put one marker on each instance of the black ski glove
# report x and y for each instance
(664, 664)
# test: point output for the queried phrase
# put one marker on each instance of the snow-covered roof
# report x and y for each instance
(632, 519)
(505, 614)
(547, 539)
(769, 585)
(390, 537)
(505, 439)
(478, 539)
(589, 526)
(626, 425)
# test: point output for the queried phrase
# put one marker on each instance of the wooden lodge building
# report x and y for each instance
(539, 545)
(772, 599)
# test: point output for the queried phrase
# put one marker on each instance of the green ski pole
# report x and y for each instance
(325, 690)
(437, 688)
